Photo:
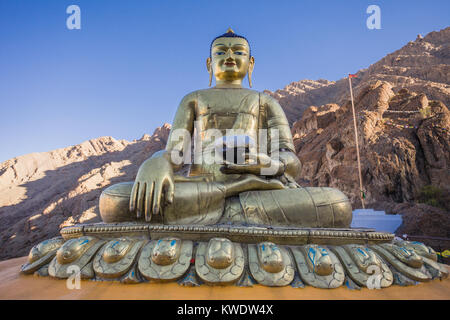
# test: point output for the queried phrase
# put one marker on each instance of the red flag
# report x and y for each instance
(352, 75)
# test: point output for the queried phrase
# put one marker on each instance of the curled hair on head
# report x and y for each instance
(230, 34)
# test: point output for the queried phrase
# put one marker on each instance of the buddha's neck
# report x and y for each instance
(222, 84)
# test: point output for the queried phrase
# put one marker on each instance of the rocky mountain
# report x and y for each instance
(41, 192)
(403, 122)
(404, 143)
(421, 66)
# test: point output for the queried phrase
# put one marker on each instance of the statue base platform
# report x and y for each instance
(133, 253)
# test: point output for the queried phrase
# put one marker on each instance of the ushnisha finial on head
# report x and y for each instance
(230, 60)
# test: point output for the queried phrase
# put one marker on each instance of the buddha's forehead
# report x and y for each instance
(230, 42)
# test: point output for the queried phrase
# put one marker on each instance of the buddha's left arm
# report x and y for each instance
(278, 129)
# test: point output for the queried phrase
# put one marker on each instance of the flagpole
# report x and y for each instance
(361, 191)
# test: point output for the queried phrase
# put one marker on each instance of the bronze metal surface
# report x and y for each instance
(242, 234)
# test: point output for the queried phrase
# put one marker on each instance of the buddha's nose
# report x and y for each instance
(229, 53)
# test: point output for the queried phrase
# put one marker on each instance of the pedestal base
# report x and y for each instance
(239, 255)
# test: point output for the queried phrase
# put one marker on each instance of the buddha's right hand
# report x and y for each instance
(153, 187)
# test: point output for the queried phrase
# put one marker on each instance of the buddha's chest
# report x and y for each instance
(227, 109)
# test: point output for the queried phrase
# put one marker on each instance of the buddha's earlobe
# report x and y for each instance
(251, 65)
(208, 67)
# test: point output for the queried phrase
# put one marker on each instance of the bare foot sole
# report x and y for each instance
(251, 182)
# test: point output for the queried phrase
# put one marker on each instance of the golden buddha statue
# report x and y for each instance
(261, 190)
(239, 216)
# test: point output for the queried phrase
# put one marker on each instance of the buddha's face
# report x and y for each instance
(230, 59)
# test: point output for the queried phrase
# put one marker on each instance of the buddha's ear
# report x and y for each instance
(209, 68)
(251, 65)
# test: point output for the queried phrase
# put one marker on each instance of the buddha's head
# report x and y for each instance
(230, 59)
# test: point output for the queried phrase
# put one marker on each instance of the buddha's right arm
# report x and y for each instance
(179, 141)
(155, 180)
(178, 146)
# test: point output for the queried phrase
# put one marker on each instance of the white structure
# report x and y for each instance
(378, 220)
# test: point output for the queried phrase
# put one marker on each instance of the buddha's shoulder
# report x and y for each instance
(218, 91)
(268, 99)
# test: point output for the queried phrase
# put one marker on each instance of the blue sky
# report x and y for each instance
(124, 73)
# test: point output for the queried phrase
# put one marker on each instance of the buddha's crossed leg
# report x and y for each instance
(250, 200)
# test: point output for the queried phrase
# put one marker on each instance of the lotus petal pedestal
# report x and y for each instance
(234, 255)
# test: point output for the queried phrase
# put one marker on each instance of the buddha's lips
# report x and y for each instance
(230, 63)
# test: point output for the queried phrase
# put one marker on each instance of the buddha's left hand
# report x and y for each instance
(263, 165)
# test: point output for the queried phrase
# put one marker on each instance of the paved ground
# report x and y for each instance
(16, 286)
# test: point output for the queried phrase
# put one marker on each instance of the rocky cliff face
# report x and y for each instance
(404, 145)
(41, 192)
(403, 124)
